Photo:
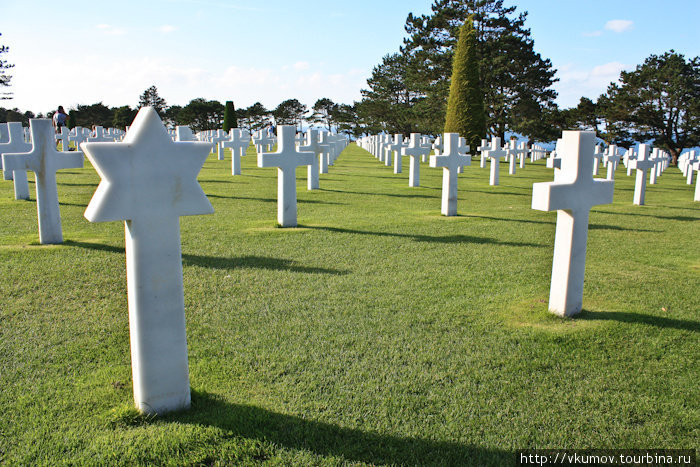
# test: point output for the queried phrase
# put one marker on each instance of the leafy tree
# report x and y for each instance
(15, 115)
(171, 116)
(94, 114)
(658, 101)
(389, 104)
(465, 106)
(201, 114)
(510, 71)
(123, 116)
(323, 111)
(4, 77)
(347, 119)
(150, 98)
(255, 117)
(230, 120)
(289, 112)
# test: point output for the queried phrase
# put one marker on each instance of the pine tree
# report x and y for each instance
(5, 78)
(513, 76)
(230, 120)
(465, 106)
(659, 101)
(150, 98)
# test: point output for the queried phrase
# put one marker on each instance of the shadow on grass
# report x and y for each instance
(392, 195)
(497, 192)
(590, 226)
(639, 318)
(255, 262)
(214, 262)
(273, 200)
(78, 184)
(325, 439)
(670, 218)
(429, 238)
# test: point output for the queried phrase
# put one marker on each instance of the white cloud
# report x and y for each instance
(111, 30)
(299, 66)
(575, 83)
(167, 28)
(619, 25)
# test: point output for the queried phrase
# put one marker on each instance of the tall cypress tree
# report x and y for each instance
(516, 80)
(230, 120)
(465, 105)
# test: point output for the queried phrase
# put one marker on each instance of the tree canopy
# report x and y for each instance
(409, 91)
(659, 101)
(4, 77)
(150, 98)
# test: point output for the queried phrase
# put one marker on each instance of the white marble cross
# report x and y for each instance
(495, 152)
(484, 147)
(512, 153)
(100, 136)
(641, 164)
(452, 157)
(696, 168)
(597, 157)
(238, 144)
(217, 138)
(16, 145)
(44, 160)
(415, 150)
(184, 133)
(263, 142)
(286, 159)
(313, 170)
(77, 136)
(64, 137)
(149, 181)
(396, 147)
(522, 147)
(572, 196)
(612, 158)
(325, 147)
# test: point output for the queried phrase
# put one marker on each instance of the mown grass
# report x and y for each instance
(378, 332)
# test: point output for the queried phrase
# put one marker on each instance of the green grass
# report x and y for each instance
(378, 332)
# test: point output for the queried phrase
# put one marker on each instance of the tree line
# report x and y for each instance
(408, 91)
(201, 114)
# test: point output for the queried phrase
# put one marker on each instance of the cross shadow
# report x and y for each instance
(255, 262)
(525, 221)
(392, 195)
(61, 203)
(671, 218)
(274, 200)
(215, 262)
(639, 318)
(428, 238)
(325, 439)
(77, 184)
(497, 192)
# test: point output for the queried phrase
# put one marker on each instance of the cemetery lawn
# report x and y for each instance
(378, 332)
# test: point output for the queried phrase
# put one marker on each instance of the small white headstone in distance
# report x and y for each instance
(286, 159)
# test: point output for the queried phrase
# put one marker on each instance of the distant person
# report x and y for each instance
(60, 118)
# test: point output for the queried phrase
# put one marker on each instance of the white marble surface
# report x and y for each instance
(149, 181)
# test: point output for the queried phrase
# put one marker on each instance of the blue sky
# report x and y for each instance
(82, 52)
